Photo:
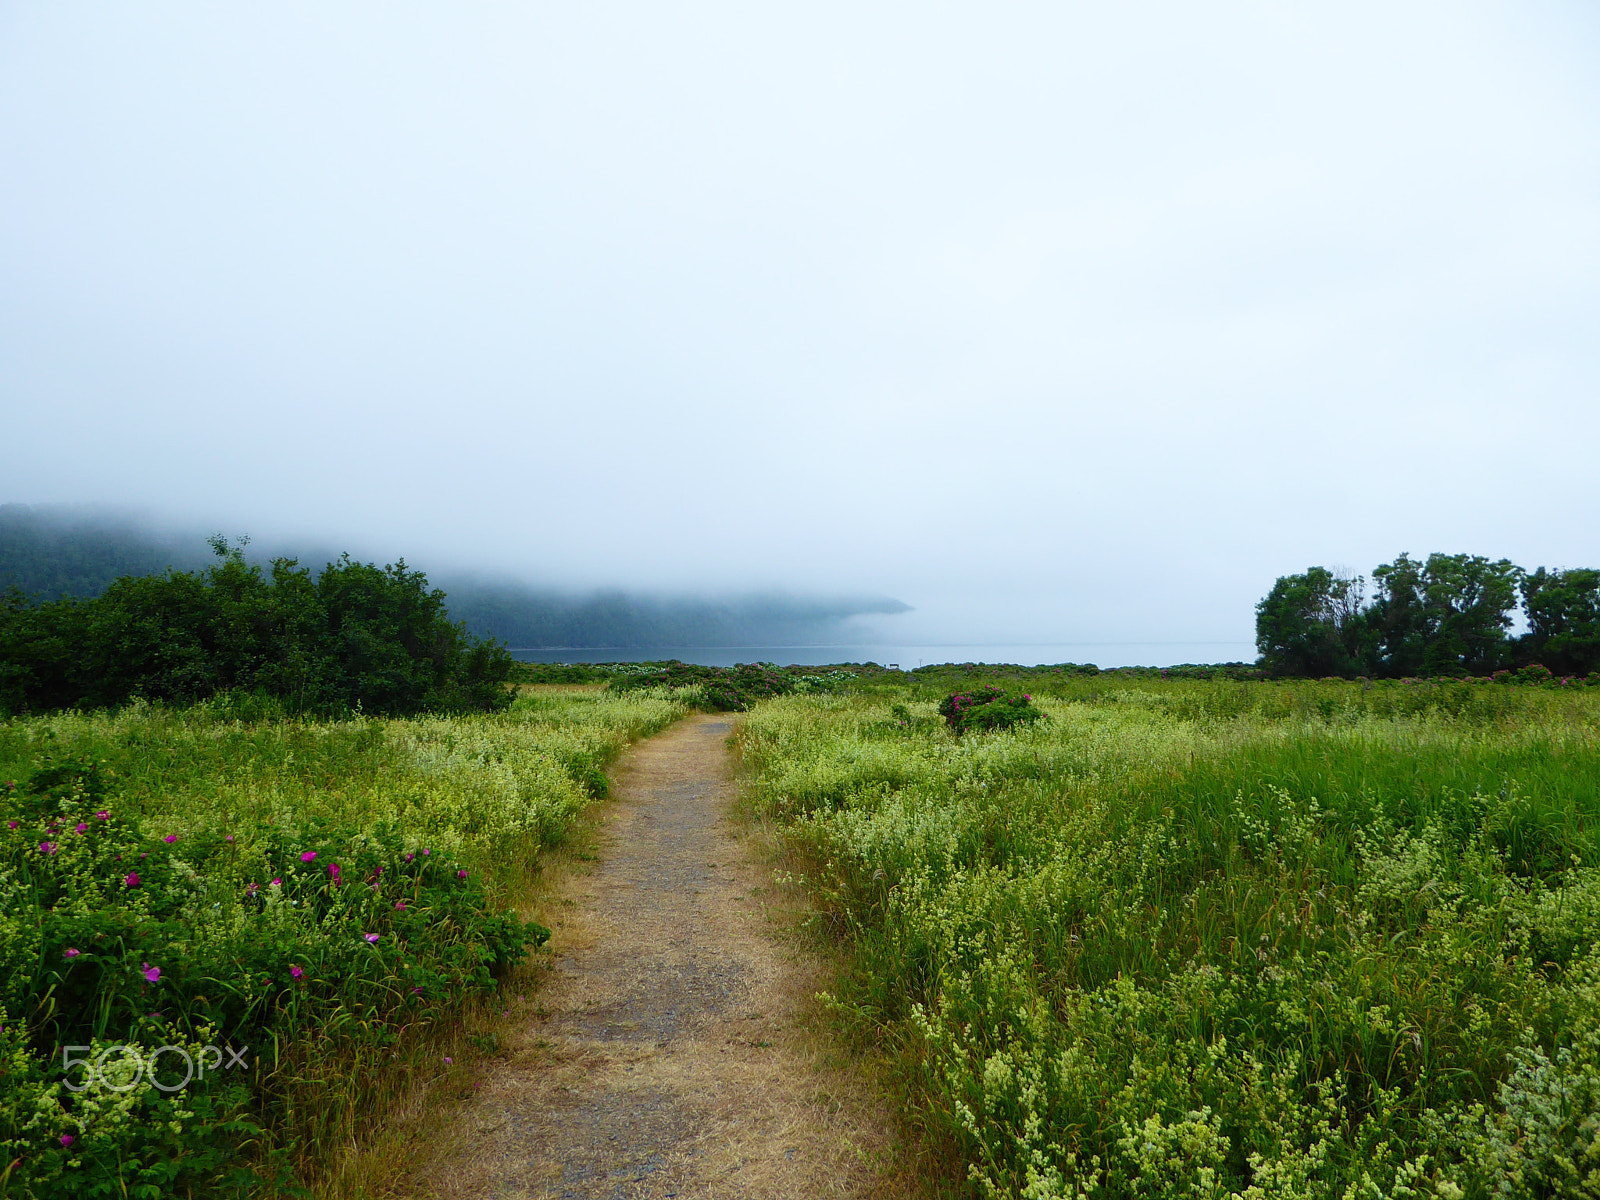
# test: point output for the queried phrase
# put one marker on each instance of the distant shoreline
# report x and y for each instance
(1107, 655)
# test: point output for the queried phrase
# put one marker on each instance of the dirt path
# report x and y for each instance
(668, 1058)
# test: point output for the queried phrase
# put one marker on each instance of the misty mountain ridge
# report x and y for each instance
(526, 618)
(52, 552)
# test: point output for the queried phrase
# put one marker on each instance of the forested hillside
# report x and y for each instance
(51, 554)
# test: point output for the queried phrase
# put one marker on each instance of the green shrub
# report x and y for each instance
(729, 689)
(987, 709)
(525, 672)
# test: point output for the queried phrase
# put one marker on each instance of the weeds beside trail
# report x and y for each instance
(331, 895)
(1216, 939)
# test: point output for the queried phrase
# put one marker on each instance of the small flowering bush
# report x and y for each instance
(746, 684)
(310, 896)
(242, 936)
(987, 708)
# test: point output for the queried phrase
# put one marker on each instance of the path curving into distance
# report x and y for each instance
(667, 1061)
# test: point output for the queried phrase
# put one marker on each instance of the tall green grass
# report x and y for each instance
(436, 824)
(1218, 939)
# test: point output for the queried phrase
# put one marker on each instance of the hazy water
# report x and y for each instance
(1102, 654)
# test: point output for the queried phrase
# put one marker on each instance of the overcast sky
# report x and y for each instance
(1058, 322)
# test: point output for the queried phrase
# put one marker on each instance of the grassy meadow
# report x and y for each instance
(325, 892)
(1298, 939)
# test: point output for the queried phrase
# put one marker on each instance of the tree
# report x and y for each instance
(358, 635)
(1563, 620)
(1311, 625)
(1447, 616)
(394, 647)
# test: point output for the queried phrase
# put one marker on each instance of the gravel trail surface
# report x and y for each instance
(669, 1058)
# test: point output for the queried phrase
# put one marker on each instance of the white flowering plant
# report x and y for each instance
(1213, 938)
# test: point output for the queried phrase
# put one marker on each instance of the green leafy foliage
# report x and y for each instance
(1563, 610)
(356, 638)
(728, 689)
(1309, 625)
(254, 935)
(1448, 616)
(559, 673)
(988, 709)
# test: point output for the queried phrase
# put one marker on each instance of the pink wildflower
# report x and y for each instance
(72, 952)
(170, 838)
(308, 856)
(131, 879)
(80, 827)
(151, 974)
(297, 973)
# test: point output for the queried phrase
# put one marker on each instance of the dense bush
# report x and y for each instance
(988, 709)
(357, 637)
(251, 936)
(747, 683)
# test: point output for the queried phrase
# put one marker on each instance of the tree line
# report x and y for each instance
(1449, 615)
(55, 554)
(354, 637)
